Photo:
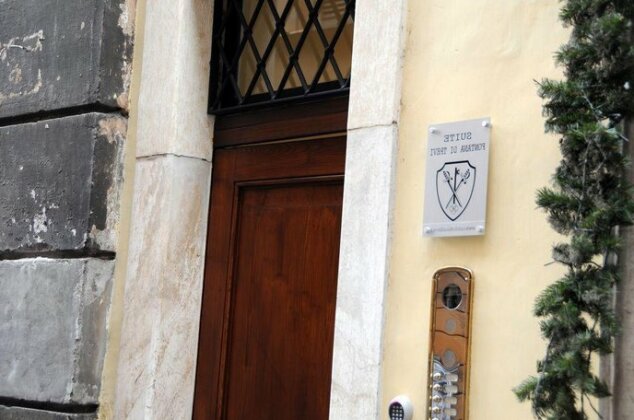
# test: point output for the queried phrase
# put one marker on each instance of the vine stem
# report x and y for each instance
(538, 386)
(591, 406)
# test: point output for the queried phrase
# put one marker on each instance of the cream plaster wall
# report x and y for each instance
(111, 361)
(468, 59)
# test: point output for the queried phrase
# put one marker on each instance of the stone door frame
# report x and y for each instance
(158, 343)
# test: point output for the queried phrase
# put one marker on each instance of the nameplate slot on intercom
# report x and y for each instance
(450, 333)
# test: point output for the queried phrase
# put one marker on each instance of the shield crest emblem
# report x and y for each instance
(454, 187)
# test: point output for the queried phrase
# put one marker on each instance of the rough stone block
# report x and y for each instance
(63, 53)
(60, 182)
(17, 413)
(53, 316)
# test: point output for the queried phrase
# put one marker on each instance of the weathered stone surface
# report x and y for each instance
(377, 57)
(59, 183)
(63, 53)
(53, 326)
(163, 290)
(17, 413)
(185, 31)
(366, 230)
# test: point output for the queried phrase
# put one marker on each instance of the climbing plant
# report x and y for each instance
(589, 199)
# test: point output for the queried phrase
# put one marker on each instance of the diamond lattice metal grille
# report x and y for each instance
(268, 51)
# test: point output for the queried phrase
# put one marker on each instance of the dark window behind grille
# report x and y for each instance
(270, 51)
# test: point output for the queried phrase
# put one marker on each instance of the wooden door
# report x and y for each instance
(267, 323)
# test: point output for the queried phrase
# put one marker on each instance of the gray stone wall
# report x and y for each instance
(64, 78)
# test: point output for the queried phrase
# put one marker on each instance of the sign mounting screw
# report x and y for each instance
(433, 130)
(486, 124)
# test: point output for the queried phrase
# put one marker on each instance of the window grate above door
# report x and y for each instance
(271, 51)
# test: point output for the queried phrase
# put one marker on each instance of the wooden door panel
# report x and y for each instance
(295, 159)
(267, 324)
(282, 309)
(289, 121)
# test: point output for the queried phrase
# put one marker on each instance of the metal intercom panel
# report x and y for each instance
(449, 350)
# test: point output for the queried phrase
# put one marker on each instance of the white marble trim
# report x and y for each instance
(369, 184)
